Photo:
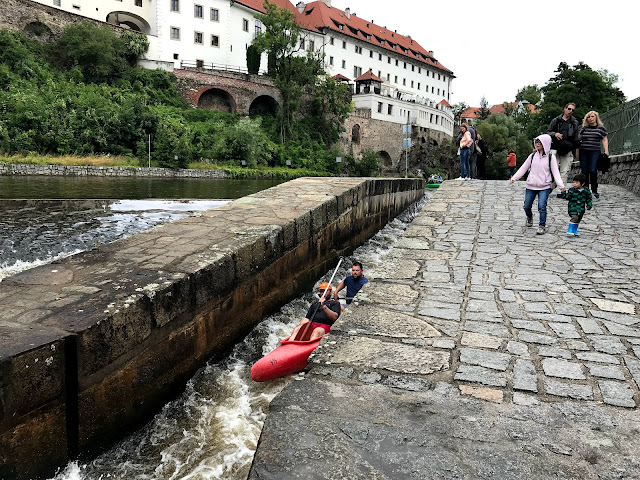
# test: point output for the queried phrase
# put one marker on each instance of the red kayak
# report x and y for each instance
(290, 357)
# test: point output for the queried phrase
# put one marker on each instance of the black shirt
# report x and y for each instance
(321, 316)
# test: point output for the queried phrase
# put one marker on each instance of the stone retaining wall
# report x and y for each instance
(85, 171)
(624, 171)
(91, 346)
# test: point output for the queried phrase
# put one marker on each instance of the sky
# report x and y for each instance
(496, 47)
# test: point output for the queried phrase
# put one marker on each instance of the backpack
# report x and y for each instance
(553, 182)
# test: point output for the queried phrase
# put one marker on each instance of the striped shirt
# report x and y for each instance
(592, 136)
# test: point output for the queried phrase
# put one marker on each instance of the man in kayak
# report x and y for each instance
(322, 313)
(353, 282)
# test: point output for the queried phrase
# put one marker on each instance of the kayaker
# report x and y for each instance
(353, 282)
(323, 313)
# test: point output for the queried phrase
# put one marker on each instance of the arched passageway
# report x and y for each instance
(263, 105)
(385, 159)
(217, 99)
(129, 20)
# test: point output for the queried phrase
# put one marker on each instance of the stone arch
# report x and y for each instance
(385, 159)
(263, 105)
(355, 133)
(433, 142)
(217, 99)
(38, 31)
(129, 20)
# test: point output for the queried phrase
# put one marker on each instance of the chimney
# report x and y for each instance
(327, 3)
(347, 12)
(301, 6)
(431, 52)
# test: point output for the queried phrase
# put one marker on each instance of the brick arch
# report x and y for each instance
(216, 98)
(385, 160)
(263, 104)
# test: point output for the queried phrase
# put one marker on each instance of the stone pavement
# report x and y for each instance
(479, 350)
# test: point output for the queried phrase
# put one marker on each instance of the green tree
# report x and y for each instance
(483, 113)
(457, 110)
(530, 93)
(587, 88)
(253, 59)
(502, 133)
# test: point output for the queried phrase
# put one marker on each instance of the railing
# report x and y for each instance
(216, 66)
(623, 127)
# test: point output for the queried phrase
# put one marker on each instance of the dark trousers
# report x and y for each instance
(577, 218)
(589, 167)
(562, 146)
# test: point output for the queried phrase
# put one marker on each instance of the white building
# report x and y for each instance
(414, 86)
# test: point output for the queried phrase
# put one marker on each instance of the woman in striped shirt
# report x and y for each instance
(592, 134)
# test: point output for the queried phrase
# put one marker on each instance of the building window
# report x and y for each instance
(413, 68)
(215, 41)
(245, 24)
(176, 56)
(411, 83)
(419, 70)
(331, 41)
(312, 46)
(390, 109)
(418, 85)
(388, 59)
(344, 64)
(404, 82)
(380, 57)
(395, 79)
(56, 3)
(302, 44)
(138, 3)
(379, 74)
(344, 44)
(330, 60)
(370, 53)
(175, 6)
(77, 7)
(198, 38)
(357, 71)
(258, 29)
(433, 90)
(438, 76)
(396, 62)
(358, 49)
(379, 107)
(388, 77)
(175, 33)
(215, 15)
(405, 65)
(197, 11)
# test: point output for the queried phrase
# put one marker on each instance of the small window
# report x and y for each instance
(396, 62)
(413, 68)
(331, 41)
(379, 107)
(380, 57)
(257, 29)
(215, 15)
(56, 3)
(390, 109)
(302, 44)
(405, 65)
(379, 73)
(215, 41)
(419, 70)
(404, 81)
(176, 56)
(357, 71)
(138, 3)
(198, 38)
(418, 85)
(388, 77)
(175, 33)
(197, 11)
(438, 76)
(344, 44)
(370, 53)
(77, 7)
(388, 59)
(395, 79)
(344, 64)
(411, 83)
(175, 6)
(312, 46)
(245, 25)
(330, 60)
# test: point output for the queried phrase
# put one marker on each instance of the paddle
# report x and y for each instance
(304, 334)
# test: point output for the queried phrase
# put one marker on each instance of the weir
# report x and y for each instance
(93, 345)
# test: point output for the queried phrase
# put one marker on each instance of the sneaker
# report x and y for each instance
(541, 230)
(596, 194)
(529, 221)
(459, 178)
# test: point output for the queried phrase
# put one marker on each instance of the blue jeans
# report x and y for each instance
(589, 166)
(464, 162)
(543, 196)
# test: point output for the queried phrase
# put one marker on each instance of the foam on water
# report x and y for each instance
(211, 431)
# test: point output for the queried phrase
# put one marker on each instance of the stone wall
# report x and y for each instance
(624, 171)
(80, 171)
(92, 345)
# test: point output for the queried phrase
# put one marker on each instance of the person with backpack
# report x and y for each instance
(564, 131)
(473, 153)
(543, 169)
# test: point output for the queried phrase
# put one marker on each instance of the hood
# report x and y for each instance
(546, 142)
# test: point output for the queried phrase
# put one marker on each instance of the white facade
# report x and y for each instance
(216, 34)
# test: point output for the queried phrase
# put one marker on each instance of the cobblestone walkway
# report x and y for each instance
(474, 316)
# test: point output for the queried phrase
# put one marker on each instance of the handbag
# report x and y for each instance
(604, 163)
(478, 150)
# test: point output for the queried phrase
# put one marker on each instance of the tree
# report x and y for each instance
(483, 113)
(509, 108)
(291, 73)
(253, 59)
(587, 88)
(530, 93)
(457, 110)
(502, 133)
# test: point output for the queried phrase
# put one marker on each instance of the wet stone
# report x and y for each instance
(554, 352)
(483, 358)
(560, 389)
(605, 371)
(475, 374)
(529, 337)
(616, 393)
(564, 330)
(554, 367)
(611, 345)
(590, 326)
(524, 376)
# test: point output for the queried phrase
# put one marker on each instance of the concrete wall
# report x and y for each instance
(93, 345)
(624, 171)
(82, 171)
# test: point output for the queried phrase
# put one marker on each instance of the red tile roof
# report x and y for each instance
(339, 76)
(368, 75)
(317, 16)
(257, 4)
(444, 103)
(470, 112)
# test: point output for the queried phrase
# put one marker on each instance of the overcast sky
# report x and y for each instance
(495, 47)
